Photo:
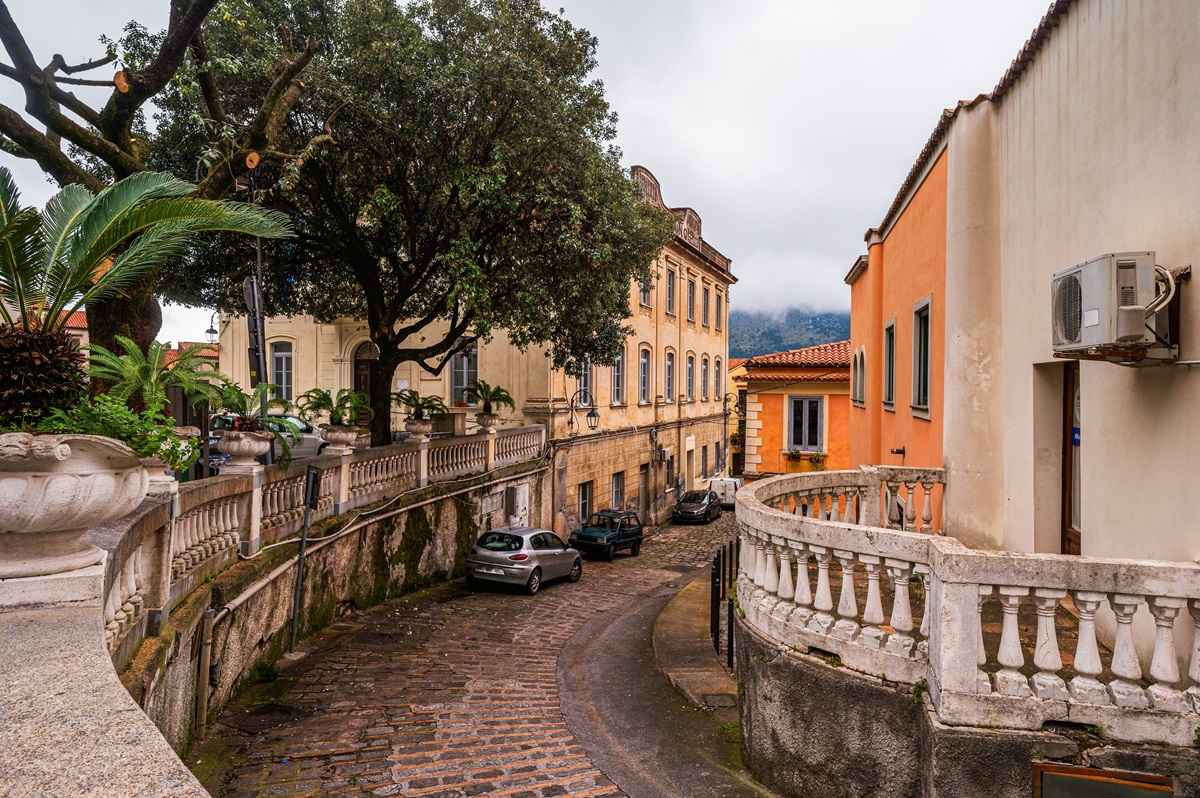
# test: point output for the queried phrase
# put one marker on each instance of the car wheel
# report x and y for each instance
(535, 582)
(471, 583)
(576, 571)
(636, 548)
(609, 552)
(322, 448)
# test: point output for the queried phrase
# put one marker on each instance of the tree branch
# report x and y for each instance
(87, 66)
(52, 160)
(73, 103)
(208, 82)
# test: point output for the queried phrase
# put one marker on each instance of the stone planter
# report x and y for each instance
(418, 426)
(487, 421)
(162, 479)
(244, 448)
(339, 438)
(52, 488)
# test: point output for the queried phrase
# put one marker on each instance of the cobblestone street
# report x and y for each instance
(454, 697)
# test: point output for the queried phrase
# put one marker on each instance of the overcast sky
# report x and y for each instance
(788, 125)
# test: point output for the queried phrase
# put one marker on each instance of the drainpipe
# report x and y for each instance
(203, 675)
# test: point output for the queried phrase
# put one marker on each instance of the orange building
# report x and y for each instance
(797, 410)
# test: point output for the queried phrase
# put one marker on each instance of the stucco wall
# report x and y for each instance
(772, 422)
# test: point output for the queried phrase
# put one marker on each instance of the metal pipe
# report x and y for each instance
(300, 575)
(204, 673)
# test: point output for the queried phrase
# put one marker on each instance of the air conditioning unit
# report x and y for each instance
(1102, 303)
(664, 453)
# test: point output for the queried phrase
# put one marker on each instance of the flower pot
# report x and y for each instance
(162, 479)
(418, 426)
(487, 421)
(362, 441)
(52, 488)
(244, 448)
(338, 437)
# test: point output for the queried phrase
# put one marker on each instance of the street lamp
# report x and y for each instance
(583, 398)
(211, 332)
(725, 401)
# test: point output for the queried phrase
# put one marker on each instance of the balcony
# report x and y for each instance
(1000, 640)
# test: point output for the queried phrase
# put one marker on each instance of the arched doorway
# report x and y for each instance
(366, 360)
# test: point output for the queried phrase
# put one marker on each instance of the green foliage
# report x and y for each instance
(347, 405)
(1096, 730)
(468, 183)
(487, 395)
(84, 248)
(39, 371)
(149, 433)
(250, 411)
(919, 689)
(420, 408)
(143, 378)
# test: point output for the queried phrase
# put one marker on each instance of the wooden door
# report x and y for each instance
(1071, 527)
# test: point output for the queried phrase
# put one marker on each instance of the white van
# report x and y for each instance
(725, 488)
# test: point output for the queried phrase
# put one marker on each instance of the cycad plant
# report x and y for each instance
(249, 412)
(346, 406)
(487, 396)
(85, 248)
(420, 408)
(142, 379)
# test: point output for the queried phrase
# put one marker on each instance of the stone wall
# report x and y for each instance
(815, 729)
(397, 549)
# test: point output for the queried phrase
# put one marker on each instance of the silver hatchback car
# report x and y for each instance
(522, 556)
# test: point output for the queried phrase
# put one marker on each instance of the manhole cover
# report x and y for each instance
(262, 718)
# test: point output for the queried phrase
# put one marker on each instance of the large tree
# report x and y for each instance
(93, 144)
(451, 173)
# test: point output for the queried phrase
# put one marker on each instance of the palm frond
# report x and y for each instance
(21, 240)
(60, 224)
(98, 228)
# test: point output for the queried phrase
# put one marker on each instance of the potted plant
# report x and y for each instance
(341, 409)
(488, 397)
(736, 439)
(81, 249)
(794, 454)
(421, 410)
(818, 460)
(248, 440)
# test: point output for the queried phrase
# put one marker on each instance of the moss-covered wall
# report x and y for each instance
(405, 548)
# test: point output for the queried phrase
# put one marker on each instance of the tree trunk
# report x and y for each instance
(138, 317)
(381, 394)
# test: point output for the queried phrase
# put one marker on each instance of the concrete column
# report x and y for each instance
(252, 539)
(422, 461)
(341, 479)
(490, 450)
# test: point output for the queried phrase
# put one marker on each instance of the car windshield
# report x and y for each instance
(221, 422)
(604, 521)
(693, 496)
(500, 541)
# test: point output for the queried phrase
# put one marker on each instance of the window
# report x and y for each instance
(921, 365)
(644, 376)
(281, 368)
(464, 369)
(670, 475)
(704, 309)
(718, 378)
(670, 291)
(807, 428)
(718, 314)
(586, 397)
(670, 377)
(618, 379)
(703, 461)
(585, 501)
(691, 300)
(691, 378)
(618, 490)
(718, 463)
(889, 364)
(704, 379)
(645, 294)
(857, 379)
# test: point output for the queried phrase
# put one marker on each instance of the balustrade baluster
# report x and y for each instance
(1164, 668)
(922, 571)
(835, 512)
(873, 616)
(771, 578)
(822, 621)
(910, 511)
(851, 516)
(111, 625)
(760, 562)
(1124, 690)
(1047, 684)
(902, 641)
(744, 561)
(847, 627)
(982, 683)
(1009, 681)
(1085, 687)
(787, 587)
(927, 508)
(1193, 692)
(804, 598)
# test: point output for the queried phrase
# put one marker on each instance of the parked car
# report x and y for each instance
(608, 531)
(697, 506)
(305, 443)
(726, 488)
(522, 556)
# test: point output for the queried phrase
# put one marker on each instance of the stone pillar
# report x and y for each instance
(341, 479)
(422, 460)
(489, 458)
(252, 541)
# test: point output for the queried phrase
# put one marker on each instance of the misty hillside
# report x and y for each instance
(752, 334)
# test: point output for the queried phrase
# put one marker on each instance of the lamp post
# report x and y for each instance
(725, 450)
(212, 333)
(581, 399)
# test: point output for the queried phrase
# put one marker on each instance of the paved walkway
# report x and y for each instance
(443, 697)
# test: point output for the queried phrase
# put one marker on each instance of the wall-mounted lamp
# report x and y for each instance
(583, 398)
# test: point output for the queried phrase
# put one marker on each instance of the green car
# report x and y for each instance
(607, 531)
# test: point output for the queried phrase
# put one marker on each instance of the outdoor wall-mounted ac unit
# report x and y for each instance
(664, 453)
(1105, 304)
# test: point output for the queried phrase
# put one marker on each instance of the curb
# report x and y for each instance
(684, 652)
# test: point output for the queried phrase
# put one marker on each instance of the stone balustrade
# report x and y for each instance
(911, 606)
(519, 444)
(451, 457)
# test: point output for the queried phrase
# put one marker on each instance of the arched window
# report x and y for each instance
(587, 396)
(691, 378)
(618, 379)
(281, 368)
(670, 377)
(704, 379)
(464, 369)
(644, 376)
(718, 378)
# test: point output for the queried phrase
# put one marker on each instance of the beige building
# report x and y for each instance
(661, 418)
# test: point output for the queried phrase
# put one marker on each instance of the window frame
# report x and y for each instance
(690, 372)
(889, 366)
(669, 377)
(586, 383)
(670, 292)
(718, 314)
(618, 490)
(691, 300)
(704, 462)
(469, 372)
(584, 502)
(922, 362)
(803, 445)
(286, 386)
(618, 378)
(704, 378)
(718, 380)
(644, 294)
(644, 373)
(704, 306)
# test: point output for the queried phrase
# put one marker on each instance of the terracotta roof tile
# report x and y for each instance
(734, 362)
(834, 355)
(795, 375)
(77, 321)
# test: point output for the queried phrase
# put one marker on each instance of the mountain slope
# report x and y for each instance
(752, 334)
